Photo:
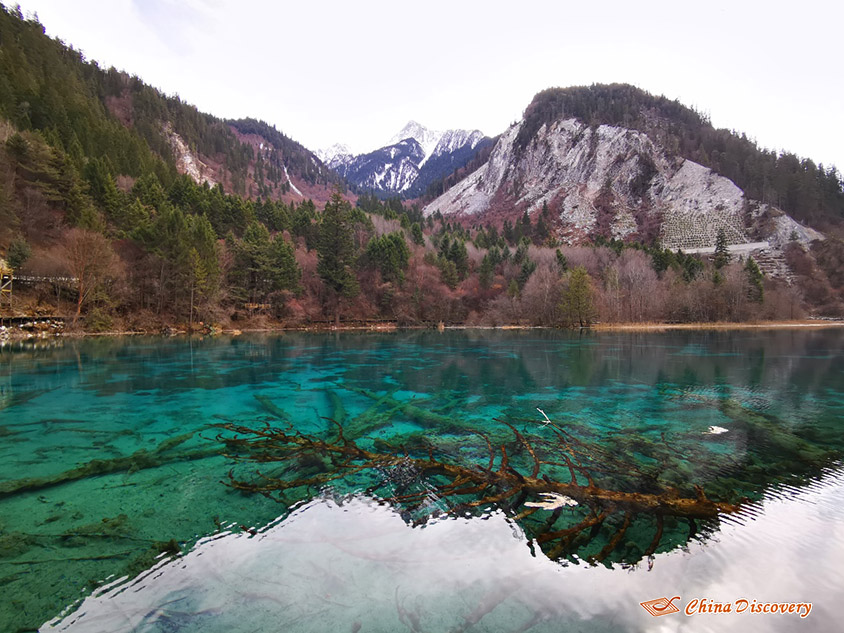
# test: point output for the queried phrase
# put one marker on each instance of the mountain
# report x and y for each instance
(336, 154)
(391, 170)
(87, 112)
(427, 139)
(616, 162)
(411, 160)
(282, 169)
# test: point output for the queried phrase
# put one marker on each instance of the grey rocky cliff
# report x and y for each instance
(618, 176)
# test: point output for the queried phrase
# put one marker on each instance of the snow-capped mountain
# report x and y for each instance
(435, 143)
(427, 139)
(410, 161)
(392, 169)
(335, 155)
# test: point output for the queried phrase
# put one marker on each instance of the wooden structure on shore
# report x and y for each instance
(6, 278)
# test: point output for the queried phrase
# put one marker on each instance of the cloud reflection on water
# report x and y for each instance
(336, 565)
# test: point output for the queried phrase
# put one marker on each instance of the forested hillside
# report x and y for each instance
(89, 112)
(89, 185)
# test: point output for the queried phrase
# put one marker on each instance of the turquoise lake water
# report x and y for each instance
(115, 513)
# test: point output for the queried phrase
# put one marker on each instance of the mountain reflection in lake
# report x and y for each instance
(109, 466)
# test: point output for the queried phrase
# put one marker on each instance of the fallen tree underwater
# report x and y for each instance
(619, 497)
(586, 519)
(164, 453)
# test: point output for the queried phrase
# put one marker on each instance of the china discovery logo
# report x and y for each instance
(701, 606)
(661, 606)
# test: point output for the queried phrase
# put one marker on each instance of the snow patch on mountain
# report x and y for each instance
(473, 194)
(293, 187)
(452, 140)
(396, 176)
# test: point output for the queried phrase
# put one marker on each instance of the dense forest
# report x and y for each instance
(101, 227)
(88, 112)
(808, 192)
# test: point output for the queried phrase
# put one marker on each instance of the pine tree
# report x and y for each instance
(19, 251)
(692, 266)
(541, 232)
(522, 250)
(562, 262)
(198, 279)
(528, 267)
(284, 272)
(577, 301)
(448, 272)
(390, 254)
(756, 292)
(485, 272)
(252, 257)
(460, 256)
(336, 253)
(508, 232)
(524, 225)
(722, 254)
(103, 189)
(416, 234)
(661, 259)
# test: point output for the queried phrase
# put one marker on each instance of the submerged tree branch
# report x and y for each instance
(464, 487)
(139, 460)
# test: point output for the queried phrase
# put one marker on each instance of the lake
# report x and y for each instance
(466, 480)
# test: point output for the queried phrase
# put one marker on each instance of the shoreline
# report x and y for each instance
(389, 328)
(758, 325)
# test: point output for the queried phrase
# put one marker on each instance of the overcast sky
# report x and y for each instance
(356, 72)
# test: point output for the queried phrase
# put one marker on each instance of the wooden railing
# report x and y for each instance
(34, 279)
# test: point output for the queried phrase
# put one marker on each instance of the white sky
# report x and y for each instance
(356, 72)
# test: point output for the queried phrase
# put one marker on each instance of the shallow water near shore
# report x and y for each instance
(114, 515)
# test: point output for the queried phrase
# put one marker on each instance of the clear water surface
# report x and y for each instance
(115, 516)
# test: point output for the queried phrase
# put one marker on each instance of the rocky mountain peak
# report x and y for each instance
(607, 180)
(334, 155)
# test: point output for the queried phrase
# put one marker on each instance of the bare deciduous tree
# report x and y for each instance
(541, 296)
(91, 262)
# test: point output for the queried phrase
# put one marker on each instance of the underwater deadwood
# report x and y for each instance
(432, 485)
(139, 460)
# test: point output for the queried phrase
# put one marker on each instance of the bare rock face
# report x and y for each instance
(611, 181)
(697, 203)
(186, 161)
(778, 228)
